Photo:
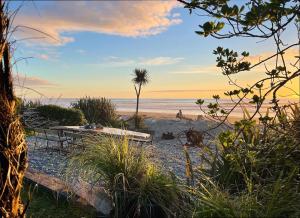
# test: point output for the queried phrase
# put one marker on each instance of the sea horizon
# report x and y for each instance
(162, 105)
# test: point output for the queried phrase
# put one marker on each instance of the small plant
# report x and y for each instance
(65, 116)
(137, 188)
(99, 111)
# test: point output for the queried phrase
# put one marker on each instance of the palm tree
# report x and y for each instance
(140, 79)
(13, 149)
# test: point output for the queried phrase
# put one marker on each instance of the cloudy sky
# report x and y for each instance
(92, 47)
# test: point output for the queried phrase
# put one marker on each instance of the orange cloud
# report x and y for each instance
(161, 61)
(290, 57)
(188, 90)
(210, 70)
(31, 81)
(124, 18)
(43, 56)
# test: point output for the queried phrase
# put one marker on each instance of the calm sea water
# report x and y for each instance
(172, 106)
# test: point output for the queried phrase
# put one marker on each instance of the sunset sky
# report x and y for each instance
(95, 46)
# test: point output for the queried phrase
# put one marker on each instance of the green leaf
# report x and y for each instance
(217, 97)
(199, 33)
(219, 26)
(259, 86)
(245, 54)
(256, 98)
(200, 102)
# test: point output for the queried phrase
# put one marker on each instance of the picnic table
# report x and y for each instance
(132, 135)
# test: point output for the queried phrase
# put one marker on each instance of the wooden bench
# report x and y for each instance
(148, 140)
(141, 141)
(139, 137)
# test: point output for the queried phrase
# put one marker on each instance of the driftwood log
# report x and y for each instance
(194, 138)
(167, 136)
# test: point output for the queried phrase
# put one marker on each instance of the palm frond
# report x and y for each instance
(141, 76)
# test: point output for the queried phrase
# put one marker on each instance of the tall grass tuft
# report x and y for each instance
(277, 199)
(296, 121)
(98, 111)
(137, 188)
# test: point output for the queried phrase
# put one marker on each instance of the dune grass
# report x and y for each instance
(137, 187)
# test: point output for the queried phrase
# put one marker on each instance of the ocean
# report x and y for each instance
(169, 106)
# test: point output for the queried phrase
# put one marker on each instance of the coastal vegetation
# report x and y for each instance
(64, 116)
(98, 110)
(137, 187)
(253, 172)
(254, 169)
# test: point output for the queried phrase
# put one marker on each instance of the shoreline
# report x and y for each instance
(169, 116)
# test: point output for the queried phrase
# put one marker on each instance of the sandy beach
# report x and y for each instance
(172, 116)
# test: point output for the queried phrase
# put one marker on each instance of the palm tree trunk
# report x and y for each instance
(137, 110)
(137, 106)
(13, 149)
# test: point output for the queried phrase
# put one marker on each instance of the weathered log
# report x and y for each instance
(194, 138)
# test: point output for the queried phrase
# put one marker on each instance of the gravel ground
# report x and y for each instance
(170, 153)
(48, 161)
(167, 153)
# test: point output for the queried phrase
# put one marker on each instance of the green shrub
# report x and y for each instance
(65, 116)
(212, 201)
(254, 172)
(137, 188)
(277, 199)
(98, 111)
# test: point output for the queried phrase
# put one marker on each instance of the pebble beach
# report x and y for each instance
(167, 154)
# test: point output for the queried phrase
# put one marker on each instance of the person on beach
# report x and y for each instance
(179, 115)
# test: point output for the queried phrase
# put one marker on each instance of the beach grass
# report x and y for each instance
(137, 187)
